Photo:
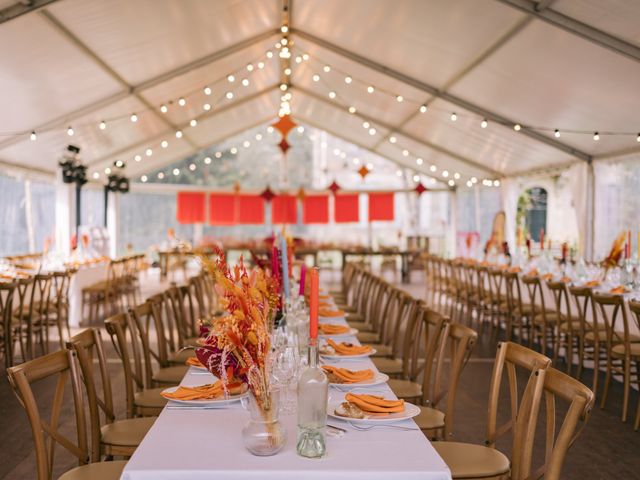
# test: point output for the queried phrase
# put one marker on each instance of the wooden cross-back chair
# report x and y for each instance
(379, 295)
(461, 341)
(543, 321)
(62, 367)
(369, 322)
(197, 286)
(148, 319)
(109, 436)
(560, 386)
(623, 353)
(518, 314)
(59, 305)
(40, 313)
(423, 340)
(358, 319)
(382, 341)
(23, 316)
(142, 401)
(471, 461)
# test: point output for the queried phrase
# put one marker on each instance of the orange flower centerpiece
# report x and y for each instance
(615, 254)
(237, 346)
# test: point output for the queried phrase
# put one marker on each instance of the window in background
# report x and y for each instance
(14, 236)
(92, 207)
(43, 211)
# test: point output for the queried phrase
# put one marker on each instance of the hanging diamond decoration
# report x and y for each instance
(267, 194)
(420, 189)
(334, 187)
(284, 125)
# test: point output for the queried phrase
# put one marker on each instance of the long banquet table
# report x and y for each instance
(206, 444)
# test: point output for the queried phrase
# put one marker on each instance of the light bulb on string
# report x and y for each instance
(399, 173)
(416, 178)
(164, 108)
(231, 78)
(176, 172)
(372, 131)
(419, 161)
(284, 41)
(405, 153)
(352, 109)
(206, 107)
(119, 164)
(326, 69)
(484, 123)
(233, 150)
(178, 133)
(192, 167)
(160, 175)
(103, 125)
(332, 95)
(96, 175)
(182, 102)
(452, 183)
(70, 131)
(370, 89)
(399, 98)
(193, 122)
(469, 184)
(316, 78)
(143, 179)
(473, 180)
(496, 183)
(33, 136)
(245, 82)
(260, 65)
(137, 157)
(246, 144)
(250, 67)
(433, 168)
(285, 53)
(148, 152)
(454, 117)
(229, 95)
(284, 87)
(258, 136)
(134, 118)
(287, 71)
(596, 136)
(348, 80)
(107, 171)
(207, 160)
(305, 56)
(298, 59)
(423, 108)
(445, 173)
(365, 125)
(456, 175)
(164, 144)
(218, 155)
(392, 139)
(207, 90)
(284, 29)
(556, 133)
(517, 127)
(269, 54)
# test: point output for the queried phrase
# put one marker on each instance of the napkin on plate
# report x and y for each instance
(210, 391)
(593, 283)
(348, 376)
(619, 290)
(343, 348)
(375, 405)
(194, 362)
(332, 329)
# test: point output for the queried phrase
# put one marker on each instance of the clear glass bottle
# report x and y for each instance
(313, 388)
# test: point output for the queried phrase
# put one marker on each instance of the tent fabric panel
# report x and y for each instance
(284, 209)
(191, 207)
(222, 209)
(381, 207)
(250, 209)
(315, 209)
(346, 208)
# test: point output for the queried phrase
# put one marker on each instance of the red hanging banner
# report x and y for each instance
(346, 208)
(381, 207)
(190, 207)
(284, 209)
(250, 209)
(315, 209)
(222, 209)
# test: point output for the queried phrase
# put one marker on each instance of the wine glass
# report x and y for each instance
(284, 371)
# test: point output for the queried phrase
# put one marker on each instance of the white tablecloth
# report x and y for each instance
(84, 277)
(207, 444)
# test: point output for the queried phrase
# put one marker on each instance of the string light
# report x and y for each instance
(316, 78)
(164, 108)
(332, 95)
(392, 139)
(103, 125)
(229, 95)
(405, 153)
(192, 167)
(287, 71)
(176, 171)
(356, 161)
(300, 129)
(454, 117)
(419, 161)
(246, 144)
(182, 102)
(399, 98)
(119, 163)
(445, 173)
(245, 82)
(33, 136)
(206, 107)
(416, 178)
(107, 171)
(348, 80)
(474, 180)
(399, 173)
(207, 160)
(143, 179)
(469, 183)
(258, 136)
(207, 91)
(556, 133)
(218, 155)
(269, 54)
(193, 122)
(70, 131)
(365, 125)
(233, 150)
(517, 127)
(452, 183)
(134, 117)
(352, 109)
(372, 131)
(370, 89)
(160, 175)
(484, 123)
(305, 56)
(231, 78)
(284, 87)
(298, 59)
(178, 133)
(433, 168)
(148, 152)
(496, 183)
(423, 108)
(260, 65)
(596, 136)
(456, 176)
(137, 157)
(284, 41)
(96, 175)
(326, 69)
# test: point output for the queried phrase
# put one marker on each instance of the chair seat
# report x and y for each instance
(96, 471)
(361, 326)
(466, 460)
(368, 337)
(170, 375)
(575, 326)
(345, 307)
(95, 288)
(390, 366)
(126, 433)
(429, 418)
(354, 317)
(405, 388)
(602, 336)
(620, 350)
(150, 398)
(381, 349)
(180, 357)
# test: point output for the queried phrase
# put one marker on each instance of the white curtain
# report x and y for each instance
(509, 191)
(578, 178)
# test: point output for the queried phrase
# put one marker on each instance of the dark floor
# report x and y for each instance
(606, 449)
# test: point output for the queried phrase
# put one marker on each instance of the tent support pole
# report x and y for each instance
(589, 241)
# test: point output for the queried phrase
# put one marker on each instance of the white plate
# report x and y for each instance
(352, 332)
(410, 411)
(213, 402)
(346, 357)
(378, 379)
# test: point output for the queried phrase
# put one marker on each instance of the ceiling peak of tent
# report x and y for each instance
(575, 27)
(22, 7)
(430, 89)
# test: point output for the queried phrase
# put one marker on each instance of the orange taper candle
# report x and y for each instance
(313, 303)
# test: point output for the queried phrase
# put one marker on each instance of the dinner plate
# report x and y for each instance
(352, 332)
(343, 357)
(209, 402)
(378, 378)
(410, 411)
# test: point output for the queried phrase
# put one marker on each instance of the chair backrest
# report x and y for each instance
(536, 295)
(461, 341)
(583, 298)
(123, 334)
(513, 292)
(7, 290)
(401, 313)
(190, 313)
(197, 286)
(614, 315)
(42, 295)
(562, 306)
(145, 315)
(418, 332)
(510, 357)
(560, 386)
(88, 347)
(61, 366)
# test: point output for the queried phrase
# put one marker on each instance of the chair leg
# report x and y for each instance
(627, 387)
(607, 380)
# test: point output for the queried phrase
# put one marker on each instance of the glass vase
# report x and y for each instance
(263, 435)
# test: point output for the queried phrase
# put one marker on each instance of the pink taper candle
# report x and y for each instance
(303, 272)
(313, 304)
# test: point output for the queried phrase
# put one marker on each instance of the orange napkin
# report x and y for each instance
(375, 405)
(324, 305)
(565, 280)
(330, 313)
(618, 290)
(194, 362)
(324, 297)
(547, 276)
(209, 391)
(533, 272)
(349, 376)
(343, 348)
(593, 283)
(515, 270)
(332, 329)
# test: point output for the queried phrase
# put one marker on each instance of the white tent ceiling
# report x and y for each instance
(566, 64)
